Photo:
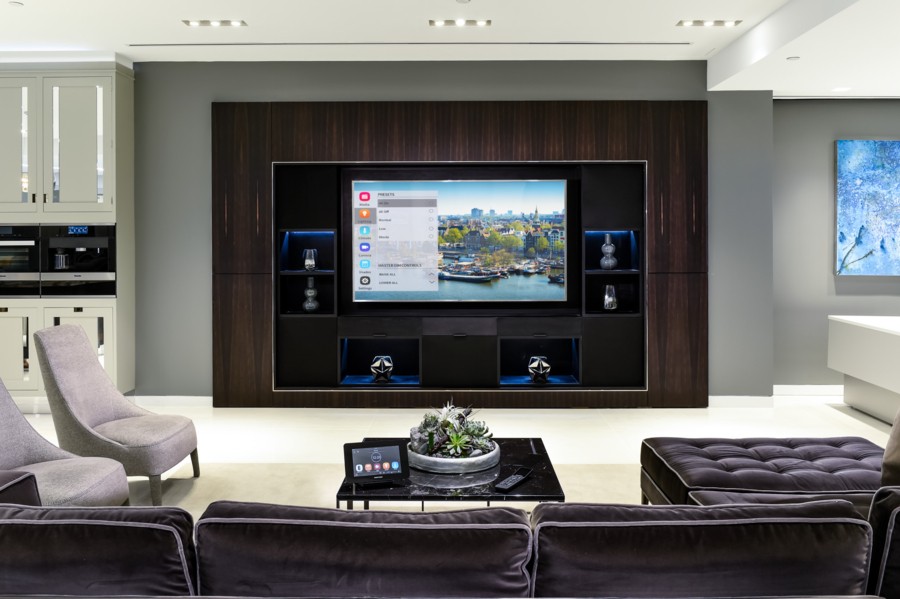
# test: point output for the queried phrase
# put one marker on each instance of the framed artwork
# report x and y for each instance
(867, 207)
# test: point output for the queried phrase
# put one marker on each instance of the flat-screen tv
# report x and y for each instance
(464, 235)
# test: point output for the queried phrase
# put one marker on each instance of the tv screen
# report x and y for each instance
(459, 240)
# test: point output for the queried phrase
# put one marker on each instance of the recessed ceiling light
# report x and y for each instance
(214, 22)
(708, 23)
(459, 23)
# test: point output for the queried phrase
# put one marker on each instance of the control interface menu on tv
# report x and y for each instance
(459, 240)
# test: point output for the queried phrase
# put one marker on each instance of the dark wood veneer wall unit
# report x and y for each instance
(670, 136)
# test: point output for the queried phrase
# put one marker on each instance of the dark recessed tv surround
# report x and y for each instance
(462, 240)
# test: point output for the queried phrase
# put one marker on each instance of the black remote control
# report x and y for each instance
(512, 480)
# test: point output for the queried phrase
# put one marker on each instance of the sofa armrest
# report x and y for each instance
(18, 486)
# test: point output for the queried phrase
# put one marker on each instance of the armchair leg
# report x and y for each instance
(195, 462)
(156, 489)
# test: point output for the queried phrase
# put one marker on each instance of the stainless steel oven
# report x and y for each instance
(78, 260)
(20, 261)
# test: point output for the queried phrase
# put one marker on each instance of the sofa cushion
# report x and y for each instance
(885, 577)
(815, 548)
(250, 549)
(17, 486)
(96, 551)
(791, 465)
(861, 500)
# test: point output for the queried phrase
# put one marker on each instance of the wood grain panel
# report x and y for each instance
(242, 340)
(678, 346)
(241, 188)
(676, 188)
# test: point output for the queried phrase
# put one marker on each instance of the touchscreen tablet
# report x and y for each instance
(374, 461)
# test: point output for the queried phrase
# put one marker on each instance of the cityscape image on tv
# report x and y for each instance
(459, 240)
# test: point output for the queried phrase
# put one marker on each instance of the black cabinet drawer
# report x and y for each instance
(459, 326)
(351, 326)
(539, 327)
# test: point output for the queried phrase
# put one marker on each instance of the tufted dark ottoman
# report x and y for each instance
(673, 467)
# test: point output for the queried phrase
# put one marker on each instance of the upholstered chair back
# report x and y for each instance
(890, 465)
(20, 444)
(77, 386)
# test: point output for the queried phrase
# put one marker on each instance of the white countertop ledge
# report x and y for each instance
(885, 324)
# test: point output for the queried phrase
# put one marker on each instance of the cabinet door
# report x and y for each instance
(19, 367)
(677, 189)
(242, 340)
(241, 188)
(19, 126)
(98, 323)
(677, 353)
(78, 145)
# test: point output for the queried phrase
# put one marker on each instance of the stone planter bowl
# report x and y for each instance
(454, 465)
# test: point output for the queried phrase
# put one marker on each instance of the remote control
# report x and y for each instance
(512, 480)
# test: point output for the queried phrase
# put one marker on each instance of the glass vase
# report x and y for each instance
(608, 261)
(609, 298)
(310, 304)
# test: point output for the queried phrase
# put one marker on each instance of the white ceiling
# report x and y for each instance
(840, 43)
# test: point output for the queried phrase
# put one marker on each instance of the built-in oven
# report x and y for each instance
(78, 260)
(20, 262)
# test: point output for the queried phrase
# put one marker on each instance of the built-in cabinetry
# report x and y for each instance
(19, 368)
(67, 157)
(322, 339)
(57, 147)
(648, 350)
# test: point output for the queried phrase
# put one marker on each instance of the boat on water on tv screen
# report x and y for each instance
(459, 240)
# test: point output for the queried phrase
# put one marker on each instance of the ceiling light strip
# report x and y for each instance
(708, 23)
(214, 22)
(459, 23)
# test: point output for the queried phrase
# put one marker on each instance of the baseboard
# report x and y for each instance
(741, 401)
(32, 405)
(157, 401)
(819, 390)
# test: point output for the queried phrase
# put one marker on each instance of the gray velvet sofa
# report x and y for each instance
(821, 548)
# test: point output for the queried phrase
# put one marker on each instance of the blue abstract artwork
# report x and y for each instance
(868, 208)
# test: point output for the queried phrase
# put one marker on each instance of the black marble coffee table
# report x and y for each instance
(542, 485)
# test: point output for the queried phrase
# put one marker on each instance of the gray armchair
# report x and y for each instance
(62, 478)
(92, 418)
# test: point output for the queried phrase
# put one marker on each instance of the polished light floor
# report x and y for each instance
(311, 439)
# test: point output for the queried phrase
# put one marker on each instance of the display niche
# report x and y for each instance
(334, 331)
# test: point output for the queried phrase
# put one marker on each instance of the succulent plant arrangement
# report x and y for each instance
(449, 433)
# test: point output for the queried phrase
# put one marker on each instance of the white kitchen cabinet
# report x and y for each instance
(77, 145)
(58, 148)
(19, 141)
(19, 367)
(99, 324)
(20, 318)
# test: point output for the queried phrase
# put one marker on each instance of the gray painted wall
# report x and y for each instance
(806, 289)
(172, 189)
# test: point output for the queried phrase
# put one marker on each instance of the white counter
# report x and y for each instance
(867, 350)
